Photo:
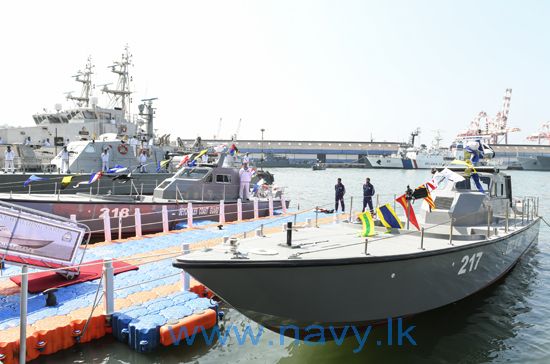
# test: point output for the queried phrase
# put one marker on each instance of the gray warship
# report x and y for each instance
(467, 243)
(203, 185)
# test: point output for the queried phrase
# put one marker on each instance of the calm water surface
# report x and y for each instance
(508, 322)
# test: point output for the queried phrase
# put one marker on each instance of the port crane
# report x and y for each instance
(494, 129)
(543, 134)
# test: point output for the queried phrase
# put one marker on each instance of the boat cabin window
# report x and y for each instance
(90, 149)
(223, 178)
(195, 174)
(88, 115)
(469, 185)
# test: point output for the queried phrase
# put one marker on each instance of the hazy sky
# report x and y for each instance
(340, 70)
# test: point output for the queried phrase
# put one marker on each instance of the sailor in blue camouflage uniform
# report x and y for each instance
(368, 192)
(340, 190)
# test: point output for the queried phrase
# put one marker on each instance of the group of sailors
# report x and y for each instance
(368, 193)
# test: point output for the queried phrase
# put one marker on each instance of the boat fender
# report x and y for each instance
(41, 345)
(51, 299)
(122, 149)
(143, 345)
(124, 333)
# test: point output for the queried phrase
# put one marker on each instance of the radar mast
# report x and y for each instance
(120, 96)
(84, 77)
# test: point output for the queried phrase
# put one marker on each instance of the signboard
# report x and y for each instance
(36, 236)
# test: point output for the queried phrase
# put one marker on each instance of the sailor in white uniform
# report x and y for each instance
(105, 160)
(245, 174)
(64, 160)
(134, 143)
(9, 156)
(143, 161)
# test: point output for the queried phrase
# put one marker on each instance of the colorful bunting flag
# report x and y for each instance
(233, 149)
(117, 169)
(33, 178)
(93, 178)
(388, 217)
(184, 160)
(66, 181)
(163, 164)
(409, 212)
(368, 224)
(201, 153)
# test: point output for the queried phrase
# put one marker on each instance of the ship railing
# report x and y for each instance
(184, 215)
(526, 211)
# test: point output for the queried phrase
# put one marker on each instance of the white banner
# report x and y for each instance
(31, 236)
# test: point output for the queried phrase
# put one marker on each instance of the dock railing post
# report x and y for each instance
(528, 209)
(222, 212)
(515, 216)
(23, 314)
(270, 205)
(377, 201)
(107, 226)
(256, 212)
(189, 215)
(408, 213)
(137, 219)
(422, 238)
(522, 210)
(506, 222)
(239, 209)
(451, 231)
(108, 288)
(489, 222)
(119, 226)
(350, 208)
(165, 227)
(394, 197)
(186, 279)
(317, 217)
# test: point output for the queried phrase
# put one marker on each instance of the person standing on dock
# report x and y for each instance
(368, 192)
(105, 160)
(245, 175)
(9, 156)
(340, 190)
(64, 160)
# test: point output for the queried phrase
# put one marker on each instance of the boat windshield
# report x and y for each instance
(194, 174)
(469, 185)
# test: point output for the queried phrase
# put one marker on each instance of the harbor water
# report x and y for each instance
(507, 322)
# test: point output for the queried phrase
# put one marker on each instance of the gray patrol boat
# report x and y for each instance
(333, 277)
(204, 185)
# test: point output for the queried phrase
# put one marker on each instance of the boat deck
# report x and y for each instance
(343, 240)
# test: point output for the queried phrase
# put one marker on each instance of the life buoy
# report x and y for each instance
(122, 149)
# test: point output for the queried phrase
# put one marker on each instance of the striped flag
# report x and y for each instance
(33, 178)
(201, 153)
(409, 212)
(368, 224)
(184, 160)
(93, 178)
(388, 217)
